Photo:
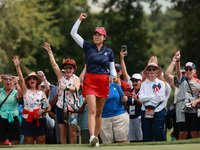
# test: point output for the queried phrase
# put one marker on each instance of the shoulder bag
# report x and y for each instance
(5, 99)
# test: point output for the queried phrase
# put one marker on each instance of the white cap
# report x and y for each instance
(42, 84)
(136, 76)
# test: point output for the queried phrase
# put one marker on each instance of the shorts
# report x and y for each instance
(135, 130)
(115, 128)
(59, 115)
(191, 123)
(72, 118)
(10, 129)
(31, 128)
(96, 84)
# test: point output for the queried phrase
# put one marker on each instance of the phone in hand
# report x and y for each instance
(124, 48)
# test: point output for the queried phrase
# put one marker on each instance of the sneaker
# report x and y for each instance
(97, 144)
(93, 140)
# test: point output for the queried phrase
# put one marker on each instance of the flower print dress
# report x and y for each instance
(32, 104)
(69, 98)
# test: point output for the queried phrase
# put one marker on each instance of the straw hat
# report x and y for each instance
(152, 64)
(33, 74)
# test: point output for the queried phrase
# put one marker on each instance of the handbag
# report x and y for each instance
(5, 99)
(149, 110)
(70, 111)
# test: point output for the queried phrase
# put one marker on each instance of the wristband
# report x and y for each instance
(173, 62)
(138, 96)
(43, 78)
(178, 61)
(67, 88)
(15, 83)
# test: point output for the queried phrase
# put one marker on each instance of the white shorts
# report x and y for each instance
(135, 130)
(115, 129)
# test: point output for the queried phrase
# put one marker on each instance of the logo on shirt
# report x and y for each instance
(105, 53)
(156, 88)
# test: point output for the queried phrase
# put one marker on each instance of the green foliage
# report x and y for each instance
(188, 31)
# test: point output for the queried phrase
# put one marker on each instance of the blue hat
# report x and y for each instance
(190, 64)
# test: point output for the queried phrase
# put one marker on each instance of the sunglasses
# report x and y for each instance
(34, 78)
(134, 80)
(117, 70)
(186, 69)
(68, 67)
(7, 79)
(149, 69)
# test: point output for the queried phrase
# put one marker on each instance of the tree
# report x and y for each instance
(188, 31)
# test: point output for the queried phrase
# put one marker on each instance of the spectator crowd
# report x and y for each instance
(98, 105)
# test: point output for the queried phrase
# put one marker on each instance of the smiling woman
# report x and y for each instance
(33, 122)
(9, 114)
(96, 83)
(68, 83)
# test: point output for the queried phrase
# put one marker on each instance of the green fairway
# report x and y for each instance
(193, 144)
(145, 147)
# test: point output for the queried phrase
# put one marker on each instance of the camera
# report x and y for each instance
(188, 105)
(124, 48)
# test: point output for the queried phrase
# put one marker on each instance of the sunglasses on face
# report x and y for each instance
(117, 70)
(149, 69)
(190, 69)
(68, 67)
(7, 79)
(134, 80)
(34, 78)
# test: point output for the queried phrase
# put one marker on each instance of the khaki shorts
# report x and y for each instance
(115, 129)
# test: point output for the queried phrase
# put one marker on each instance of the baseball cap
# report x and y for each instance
(100, 30)
(182, 70)
(136, 76)
(190, 64)
(118, 66)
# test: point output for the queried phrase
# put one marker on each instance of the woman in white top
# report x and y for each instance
(33, 122)
(69, 83)
(152, 94)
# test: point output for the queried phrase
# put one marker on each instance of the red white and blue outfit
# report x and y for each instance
(96, 80)
(32, 123)
(153, 94)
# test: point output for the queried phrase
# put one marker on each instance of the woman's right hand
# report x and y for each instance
(82, 16)
(16, 60)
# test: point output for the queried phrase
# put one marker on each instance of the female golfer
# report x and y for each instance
(96, 84)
